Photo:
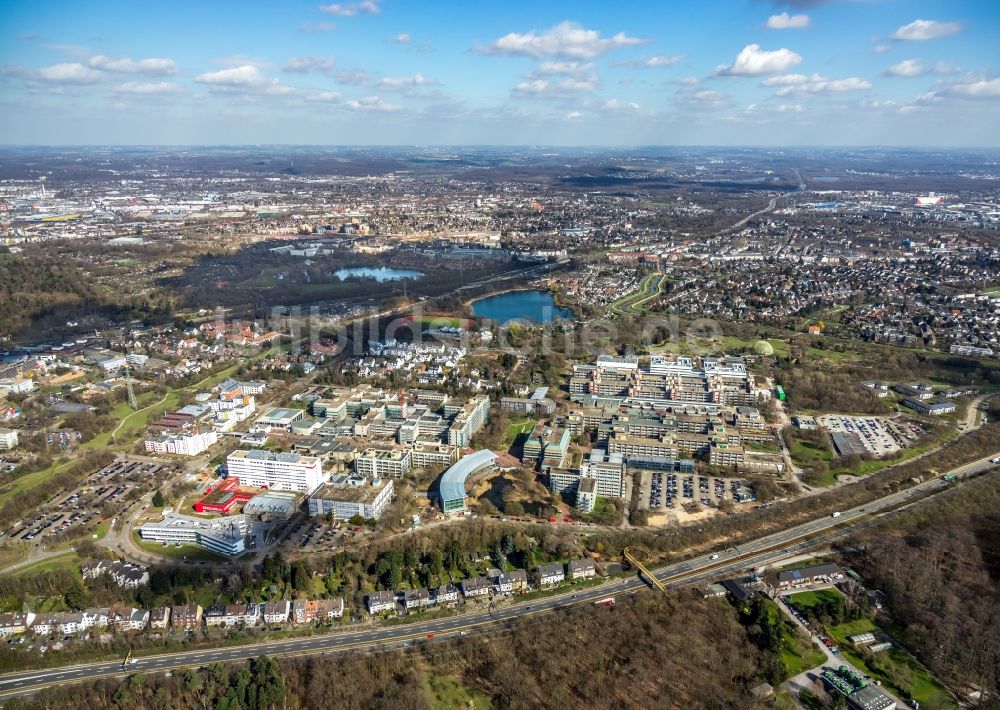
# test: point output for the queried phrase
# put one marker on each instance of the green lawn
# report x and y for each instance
(805, 600)
(191, 552)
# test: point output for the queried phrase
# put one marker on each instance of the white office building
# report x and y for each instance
(347, 496)
(279, 471)
(225, 536)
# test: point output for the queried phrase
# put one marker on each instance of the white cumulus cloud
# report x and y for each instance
(792, 84)
(404, 82)
(921, 30)
(784, 21)
(324, 97)
(403, 38)
(69, 73)
(567, 39)
(154, 66)
(754, 61)
(246, 79)
(372, 104)
(973, 89)
(365, 7)
(147, 88)
(907, 68)
(555, 88)
(556, 68)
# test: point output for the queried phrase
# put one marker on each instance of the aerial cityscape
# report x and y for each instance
(397, 355)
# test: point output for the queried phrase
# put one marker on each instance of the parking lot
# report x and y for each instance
(875, 436)
(101, 495)
(663, 491)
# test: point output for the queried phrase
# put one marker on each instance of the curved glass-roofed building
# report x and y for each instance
(453, 481)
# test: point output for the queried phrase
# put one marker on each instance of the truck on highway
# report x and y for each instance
(607, 601)
(995, 459)
(835, 515)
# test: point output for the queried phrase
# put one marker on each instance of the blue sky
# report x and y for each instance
(725, 72)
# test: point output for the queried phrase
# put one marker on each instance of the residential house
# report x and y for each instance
(15, 623)
(446, 594)
(159, 617)
(276, 612)
(582, 569)
(475, 587)
(96, 617)
(59, 622)
(550, 574)
(303, 611)
(188, 616)
(328, 609)
(416, 598)
(513, 581)
(379, 602)
(129, 619)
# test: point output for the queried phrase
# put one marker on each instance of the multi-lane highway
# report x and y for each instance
(756, 553)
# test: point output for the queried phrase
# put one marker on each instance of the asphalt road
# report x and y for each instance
(756, 553)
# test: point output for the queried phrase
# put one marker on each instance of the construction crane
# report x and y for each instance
(637, 563)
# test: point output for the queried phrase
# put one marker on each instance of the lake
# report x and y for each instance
(536, 306)
(380, 273)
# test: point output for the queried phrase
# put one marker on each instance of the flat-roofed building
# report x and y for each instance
(280, 471)
(8, 439)
(468, 420)
(225, 536)
(347, 496)
(586, 495)
(384, 463)
(185, 444)
(278, 418)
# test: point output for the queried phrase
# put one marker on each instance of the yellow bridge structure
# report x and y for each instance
(631, 558)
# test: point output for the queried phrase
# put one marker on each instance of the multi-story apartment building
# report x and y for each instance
(468, 419)
(187, 444)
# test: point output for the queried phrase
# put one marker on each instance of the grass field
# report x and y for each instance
(67, 560)
(446, 693)
(515, 429)
(438, 321)
(12, 554)
(797, 653)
